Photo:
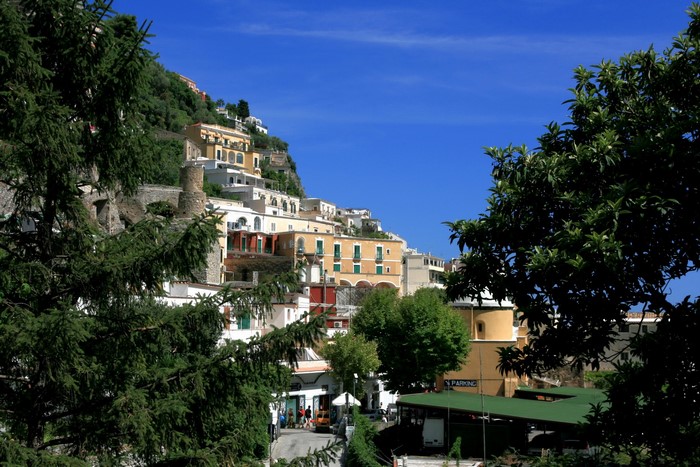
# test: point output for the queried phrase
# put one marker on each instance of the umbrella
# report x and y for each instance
(341, 399)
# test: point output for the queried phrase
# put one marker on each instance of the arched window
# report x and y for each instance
(239, 158)
(242, 222)
(230, 180)
(284, 205)
(274, 201)
(480, 330)
(257, 224)
(300, 246)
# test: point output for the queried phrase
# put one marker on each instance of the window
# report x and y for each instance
(284, 205)
(239, 158)
(388, 251)
(380, 269)
(336, 250)
(388, 270)
(255, 162)
(624, 328)
(480, 329)
(290, 227)
(256, 224)
(273, 227)
(244, 322)
(230, 180)
(356, 268)
(356, 252)
(319, 247)
(336, 267)
(243, 243)
(218, 154)
(380, 253)
(274, 201)
(260, 243)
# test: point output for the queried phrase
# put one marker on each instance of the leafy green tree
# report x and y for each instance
(597, 221)
(418, 337)
(350, 354)
(362, 452)
(95, 368)
(242, 109)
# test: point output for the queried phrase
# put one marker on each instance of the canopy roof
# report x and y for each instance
(558, 405)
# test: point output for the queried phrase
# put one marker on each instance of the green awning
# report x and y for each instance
(562, 405)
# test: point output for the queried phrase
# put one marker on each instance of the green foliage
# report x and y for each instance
(361, 449)
(329, 454)
(95, 367)
(285, 183)
(418, 337)
(168, 154)
(350, 354)
(596, 222)
(265, 141)
(599, 379)
(243, 109)
(212, 190)
(456, 450)
(161, 208)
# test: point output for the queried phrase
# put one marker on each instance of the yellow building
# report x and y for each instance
(226, 144)
(491, 325)
(345, 260)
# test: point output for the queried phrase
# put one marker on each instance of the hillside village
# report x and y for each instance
(340, 253)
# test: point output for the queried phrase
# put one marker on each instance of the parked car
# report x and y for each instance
(376, 415)
(579, 447)
(323, 421)
(392, 412)
(543, 443)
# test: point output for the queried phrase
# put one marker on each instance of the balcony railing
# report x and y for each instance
(380, 257)
(357, 256)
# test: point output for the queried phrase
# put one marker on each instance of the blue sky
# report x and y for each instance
(388, 105)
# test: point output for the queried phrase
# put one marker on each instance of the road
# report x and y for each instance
(296, 442)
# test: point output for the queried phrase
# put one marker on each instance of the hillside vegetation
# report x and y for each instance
(168, 104)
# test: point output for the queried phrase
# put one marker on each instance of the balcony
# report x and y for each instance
(336, 255)
(380, 257)
(356, 257)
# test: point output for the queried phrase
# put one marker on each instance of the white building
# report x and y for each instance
(421, 270)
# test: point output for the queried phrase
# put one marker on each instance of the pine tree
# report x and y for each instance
(94, 367)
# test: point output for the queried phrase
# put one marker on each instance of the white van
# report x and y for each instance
(434, 432)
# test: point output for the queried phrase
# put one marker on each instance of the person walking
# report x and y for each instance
(300, 417)
(290, 418)
(307, 417)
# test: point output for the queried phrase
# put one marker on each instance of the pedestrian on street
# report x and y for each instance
(307, 417)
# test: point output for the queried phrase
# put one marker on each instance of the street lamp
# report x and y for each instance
(354, 394)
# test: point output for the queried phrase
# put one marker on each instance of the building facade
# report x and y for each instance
(491, 325)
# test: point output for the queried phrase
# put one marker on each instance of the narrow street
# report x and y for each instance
(294, 442)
